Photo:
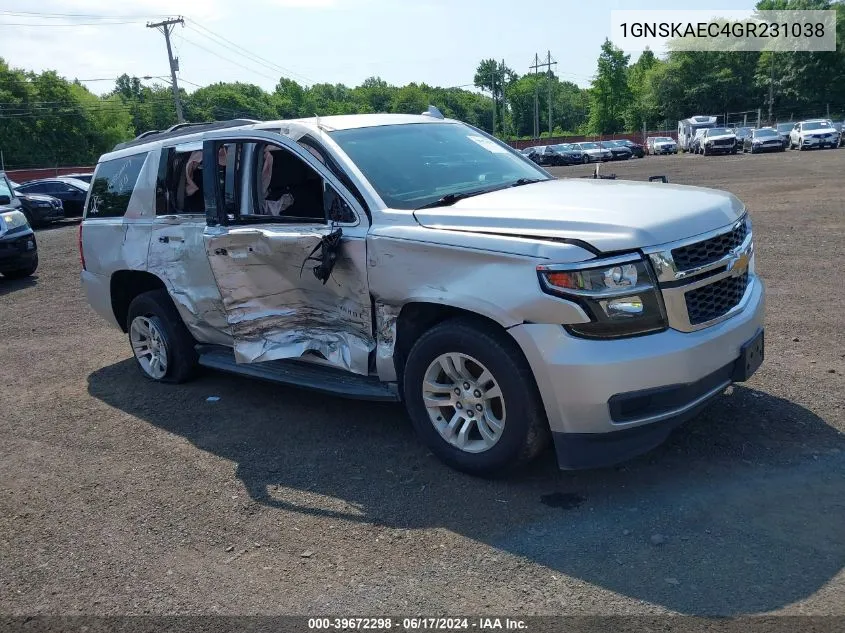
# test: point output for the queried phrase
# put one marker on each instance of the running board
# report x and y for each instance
(301, 374)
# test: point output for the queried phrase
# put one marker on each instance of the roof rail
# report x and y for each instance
(182, 129)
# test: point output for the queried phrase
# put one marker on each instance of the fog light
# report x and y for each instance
(623, 307)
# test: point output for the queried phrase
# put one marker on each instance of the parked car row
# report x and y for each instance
(583, 152)
(46, 200)
(812, 133)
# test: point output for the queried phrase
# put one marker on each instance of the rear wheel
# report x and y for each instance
(472, 398)
(162, 346)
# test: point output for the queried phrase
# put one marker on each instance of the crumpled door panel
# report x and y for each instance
(277, 309)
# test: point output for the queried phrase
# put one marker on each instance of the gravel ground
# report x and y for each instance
(118, 496)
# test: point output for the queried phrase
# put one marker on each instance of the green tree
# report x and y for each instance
(609, 94)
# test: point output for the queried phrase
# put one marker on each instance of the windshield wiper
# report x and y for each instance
(526, 181)
(452, 198)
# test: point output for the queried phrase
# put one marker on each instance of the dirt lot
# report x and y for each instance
(119, 496)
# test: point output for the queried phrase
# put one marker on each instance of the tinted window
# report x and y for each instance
(113, 185)
(758, 133)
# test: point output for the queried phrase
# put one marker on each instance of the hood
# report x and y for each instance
(611, 215)
(823, 130)
(665, 143)
(721, 137)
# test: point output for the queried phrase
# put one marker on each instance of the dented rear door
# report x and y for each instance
(276, 307)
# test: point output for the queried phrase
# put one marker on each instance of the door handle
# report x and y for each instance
(165, 239)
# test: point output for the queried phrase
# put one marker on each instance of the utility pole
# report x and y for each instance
(166, 27)
(536, 98)
(771, 85)
(504, 102)
(548, 65)
(493, 86)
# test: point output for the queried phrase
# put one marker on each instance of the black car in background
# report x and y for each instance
(637, 150)
(742, 133)
(70, 191)
(620, 152)
(783, 129)
(765, 139)
(571, 152)
(18, 246)
(38, 208)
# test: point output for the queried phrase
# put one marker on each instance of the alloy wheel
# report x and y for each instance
(149, 347)
(464, 402)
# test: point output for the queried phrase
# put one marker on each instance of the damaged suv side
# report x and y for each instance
(418, 259)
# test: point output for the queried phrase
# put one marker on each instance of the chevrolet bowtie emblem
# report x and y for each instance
(739, 264)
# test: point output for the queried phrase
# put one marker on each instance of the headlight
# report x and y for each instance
(12, 220)
(619, 294)
(42, 204)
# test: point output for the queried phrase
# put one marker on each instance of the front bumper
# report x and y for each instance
(820, 142)
(18, 250)
(43, 214)
(582, 383)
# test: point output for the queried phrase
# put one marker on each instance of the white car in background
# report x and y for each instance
(592, 152)
(663, 145)
(813, 133)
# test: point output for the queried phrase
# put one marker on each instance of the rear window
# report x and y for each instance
(112, 187)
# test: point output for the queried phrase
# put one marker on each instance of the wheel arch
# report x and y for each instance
(125, 285)
(418, 316)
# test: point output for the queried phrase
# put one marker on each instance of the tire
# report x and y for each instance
(524, 430)
(22, 272)
(166, 330)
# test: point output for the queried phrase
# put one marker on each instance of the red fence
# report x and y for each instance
(22, 175)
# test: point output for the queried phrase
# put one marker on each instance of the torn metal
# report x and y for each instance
(274, 313)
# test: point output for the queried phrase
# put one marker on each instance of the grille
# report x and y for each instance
(710, 250)
(712, 301)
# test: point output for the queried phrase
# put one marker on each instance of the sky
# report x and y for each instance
(312, 41)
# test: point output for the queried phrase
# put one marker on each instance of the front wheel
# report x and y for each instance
(162, 346)
(472, 398)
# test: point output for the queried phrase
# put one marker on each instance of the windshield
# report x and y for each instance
(589, 146)
(717, 131)
(758, 133)
(814, 125)
(663, 139)
(417, 164)
(785, 127)
(561, 148)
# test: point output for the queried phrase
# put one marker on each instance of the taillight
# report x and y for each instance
(81, 253)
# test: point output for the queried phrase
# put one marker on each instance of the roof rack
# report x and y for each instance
(182, 129)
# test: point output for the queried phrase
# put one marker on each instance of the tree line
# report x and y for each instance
(47, 120)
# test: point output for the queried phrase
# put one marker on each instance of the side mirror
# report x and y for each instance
(5, 200)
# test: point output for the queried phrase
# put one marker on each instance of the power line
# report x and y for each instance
(62, 16)
(247, 53)
(73, 24)
(216, 54)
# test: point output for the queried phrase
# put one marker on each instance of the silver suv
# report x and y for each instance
(415, 258)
